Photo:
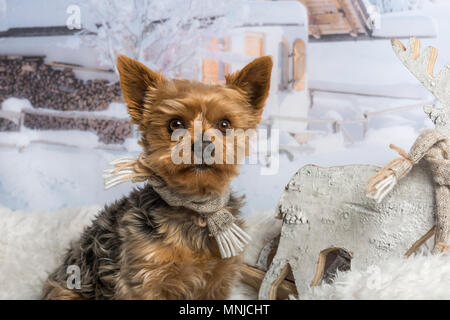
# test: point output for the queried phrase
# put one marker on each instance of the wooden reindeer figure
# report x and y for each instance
(327, 210)
(433, 146)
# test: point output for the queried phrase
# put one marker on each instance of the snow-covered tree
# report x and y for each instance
(164, 35)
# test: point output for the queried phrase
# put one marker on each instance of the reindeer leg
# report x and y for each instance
(312, 267)
(274, 276)
(442, 219)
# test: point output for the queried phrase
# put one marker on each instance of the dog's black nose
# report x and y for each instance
(199, 147)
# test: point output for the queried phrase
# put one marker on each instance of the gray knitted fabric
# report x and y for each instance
(218, 218)
(434, 148)
(205, 205)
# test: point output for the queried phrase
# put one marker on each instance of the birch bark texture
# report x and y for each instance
(326, 209)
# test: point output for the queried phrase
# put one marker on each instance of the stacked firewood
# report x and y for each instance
(60, 90)
(108, 130)
(8, 125)
(46, 87)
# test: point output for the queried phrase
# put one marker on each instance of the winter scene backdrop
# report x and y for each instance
(351, 82)
(338, 96)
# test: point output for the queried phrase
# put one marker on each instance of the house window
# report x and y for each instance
(299, 65)
(283, 64)
(214, 71)
(254, 44)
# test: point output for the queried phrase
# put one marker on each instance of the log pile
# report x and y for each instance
(47, 89)
(8, 125)
(108, 130)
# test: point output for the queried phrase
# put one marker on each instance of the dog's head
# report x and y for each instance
(184, 122)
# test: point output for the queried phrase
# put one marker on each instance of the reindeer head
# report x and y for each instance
(422, 66)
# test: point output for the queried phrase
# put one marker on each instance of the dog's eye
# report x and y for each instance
(175, 124)
(224, 125)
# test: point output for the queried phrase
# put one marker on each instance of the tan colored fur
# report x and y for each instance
(241, 101)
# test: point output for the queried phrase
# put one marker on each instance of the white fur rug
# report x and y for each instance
(31, 245)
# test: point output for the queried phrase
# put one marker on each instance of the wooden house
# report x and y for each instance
(278, 29)
(337, 17)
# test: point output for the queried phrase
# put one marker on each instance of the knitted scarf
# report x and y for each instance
(230, 238)
(434, 148)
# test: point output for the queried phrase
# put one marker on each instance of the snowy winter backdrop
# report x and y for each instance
(150, 36)
(36, 176)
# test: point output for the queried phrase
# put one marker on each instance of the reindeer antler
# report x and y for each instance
(422, 67)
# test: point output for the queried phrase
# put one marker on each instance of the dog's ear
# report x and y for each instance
(254, 80)
(135, 80)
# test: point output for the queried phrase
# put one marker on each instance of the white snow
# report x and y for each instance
(281, 12)
(3, 8)
(405, 24)
(42, 177)
(15, 105)
(65, 137)
(116, 110)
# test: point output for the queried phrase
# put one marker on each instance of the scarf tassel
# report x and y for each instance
(124, 170)
(232, 241)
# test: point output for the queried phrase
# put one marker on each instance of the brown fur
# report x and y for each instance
(140, 247)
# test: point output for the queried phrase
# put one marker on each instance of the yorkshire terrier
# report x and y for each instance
(141, 247)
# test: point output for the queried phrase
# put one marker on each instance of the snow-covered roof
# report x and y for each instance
(36, 13)
(276, 13)
(405, 24)
(22, 13)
